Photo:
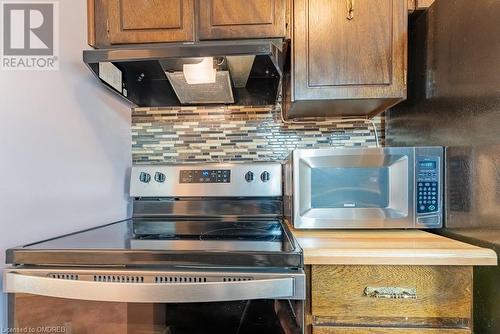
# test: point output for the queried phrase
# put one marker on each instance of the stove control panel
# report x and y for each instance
(254, 179)
(205, 176)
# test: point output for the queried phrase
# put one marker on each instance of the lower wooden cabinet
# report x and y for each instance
(423, 4)
(390, 299)
(419, 4)
(382, 330)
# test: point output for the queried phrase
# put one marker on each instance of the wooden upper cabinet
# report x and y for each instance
(338, 57)
(141, 21)
(232, 19)
(344, 50)
(150, 21)
(113, 22)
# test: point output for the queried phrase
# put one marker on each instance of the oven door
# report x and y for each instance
(353, 188)
(120, 301)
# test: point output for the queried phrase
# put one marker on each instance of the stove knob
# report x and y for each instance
(144, 177)
(160, 177)
(249, 177)
(265, 176)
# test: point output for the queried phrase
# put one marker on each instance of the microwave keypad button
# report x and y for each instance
(428, 220)
(427, 193)
(427, 197)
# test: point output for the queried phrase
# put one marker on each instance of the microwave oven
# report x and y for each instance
(365, 188)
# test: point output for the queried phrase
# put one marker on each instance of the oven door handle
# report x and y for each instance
(276, 288)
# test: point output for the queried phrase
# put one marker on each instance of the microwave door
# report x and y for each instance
(343, 190)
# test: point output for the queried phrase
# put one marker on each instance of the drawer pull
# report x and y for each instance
(391, 292)
(350, 9)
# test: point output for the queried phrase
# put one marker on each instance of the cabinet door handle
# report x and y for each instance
(390, 292)
(350, 9)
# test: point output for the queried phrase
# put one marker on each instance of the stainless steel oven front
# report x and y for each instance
(350, 188)
(206, 251)
(154, 301)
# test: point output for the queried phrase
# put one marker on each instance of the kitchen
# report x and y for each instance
(378, 262)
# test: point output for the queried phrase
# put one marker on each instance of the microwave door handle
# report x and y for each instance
(276, 288)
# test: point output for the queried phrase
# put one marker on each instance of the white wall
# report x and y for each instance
(64, 146)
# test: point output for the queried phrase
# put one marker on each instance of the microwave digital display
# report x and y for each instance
(427, 164)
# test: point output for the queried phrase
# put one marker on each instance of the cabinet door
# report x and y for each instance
(150, 21)
(346, 49)
(423, 4)
(392, 296)
(226, 19)
(412, 4)
(382, 330)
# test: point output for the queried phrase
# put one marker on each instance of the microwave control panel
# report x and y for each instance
(428, 188)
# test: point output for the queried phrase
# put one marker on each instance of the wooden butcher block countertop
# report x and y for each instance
(388, 247)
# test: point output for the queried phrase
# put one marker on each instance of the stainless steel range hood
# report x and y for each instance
(239, 72)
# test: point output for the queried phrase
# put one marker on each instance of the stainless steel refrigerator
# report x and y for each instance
(454, 101)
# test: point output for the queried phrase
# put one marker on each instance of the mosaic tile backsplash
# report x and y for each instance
(216, 134)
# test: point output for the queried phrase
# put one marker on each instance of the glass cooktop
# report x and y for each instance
(209, 235)
(168, 242)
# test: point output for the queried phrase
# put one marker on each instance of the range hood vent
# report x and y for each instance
(217, 72)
